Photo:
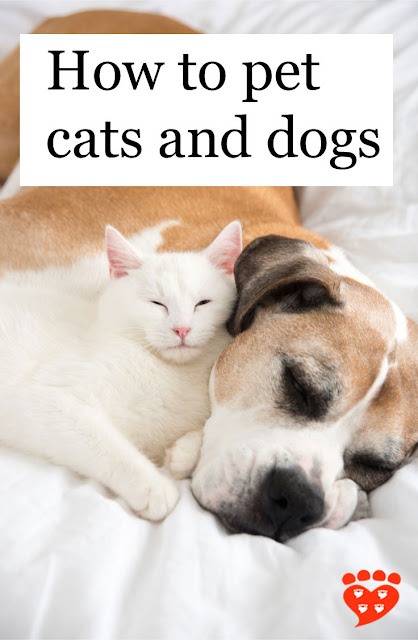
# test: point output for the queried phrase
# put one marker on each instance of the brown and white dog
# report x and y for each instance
(315, 397)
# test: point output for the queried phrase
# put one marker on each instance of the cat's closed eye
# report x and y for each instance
(202, 302)
(160, 304)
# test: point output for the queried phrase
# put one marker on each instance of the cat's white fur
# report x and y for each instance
(105, 381)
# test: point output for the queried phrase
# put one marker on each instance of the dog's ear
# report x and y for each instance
(290, 274)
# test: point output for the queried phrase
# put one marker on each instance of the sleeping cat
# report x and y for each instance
(115, 386)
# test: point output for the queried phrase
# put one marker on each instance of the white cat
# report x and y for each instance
(115, 385)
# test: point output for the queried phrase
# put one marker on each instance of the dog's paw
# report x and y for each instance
(363, 509)
(156, 499)
(182, 457)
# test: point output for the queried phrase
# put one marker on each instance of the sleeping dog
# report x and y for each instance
(314, 397)
(313, 403)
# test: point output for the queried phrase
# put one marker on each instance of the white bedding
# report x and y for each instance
(74, 562)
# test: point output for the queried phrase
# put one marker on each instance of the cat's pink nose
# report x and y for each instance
(181, 331)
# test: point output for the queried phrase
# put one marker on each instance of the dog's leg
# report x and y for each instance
(182, 457)
(52, 424)
(9, 114)
(12, 184)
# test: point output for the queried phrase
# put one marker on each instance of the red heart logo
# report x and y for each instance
(370, 605)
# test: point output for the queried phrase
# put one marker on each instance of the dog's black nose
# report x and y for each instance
(292, 502)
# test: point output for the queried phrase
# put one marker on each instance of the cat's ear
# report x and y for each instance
(225, 249)
(120, 253)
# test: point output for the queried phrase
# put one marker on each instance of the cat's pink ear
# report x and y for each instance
(120, 253)
(225, 249)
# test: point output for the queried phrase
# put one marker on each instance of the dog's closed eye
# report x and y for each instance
(302, 397)
(297, 389)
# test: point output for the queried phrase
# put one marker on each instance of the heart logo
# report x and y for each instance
(370, 606)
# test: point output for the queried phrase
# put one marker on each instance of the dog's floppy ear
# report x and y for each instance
(291, 274)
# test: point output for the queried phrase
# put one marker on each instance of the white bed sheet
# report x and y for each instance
(74, 562)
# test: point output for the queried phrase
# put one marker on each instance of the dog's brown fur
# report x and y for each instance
(84, 22)
(42, 225)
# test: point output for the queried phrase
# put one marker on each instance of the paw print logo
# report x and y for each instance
(367, 604)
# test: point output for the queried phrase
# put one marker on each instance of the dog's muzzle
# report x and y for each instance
(291, 502)
(279, 503)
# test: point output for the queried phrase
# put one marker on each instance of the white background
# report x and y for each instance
(354, 75)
